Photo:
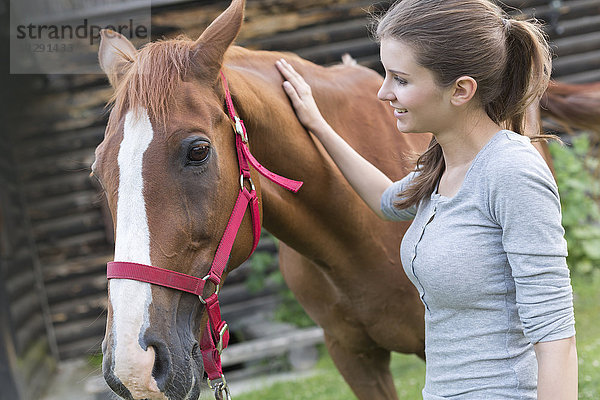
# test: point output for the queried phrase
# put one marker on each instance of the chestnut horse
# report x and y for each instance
(168, 166)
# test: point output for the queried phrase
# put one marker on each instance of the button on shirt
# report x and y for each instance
(489, 265)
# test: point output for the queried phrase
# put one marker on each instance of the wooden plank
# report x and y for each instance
(41, 187)
(62, 205)
(89, 345)
(31, 127)
(582, 77)
(63, 142)
(80, 330)
(94, 264)
(57, 83)
(238, 292)
(332, 53)
(76, 288)
(577, 44)
(580, 26)
(271, 346)
(52, 230)
(91, 306)
(72, 247)
(576, 63)
(74, 161)
(311, 36)
(52, 106)
(250, 308)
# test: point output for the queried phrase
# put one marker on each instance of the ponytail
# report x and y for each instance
(526, 76)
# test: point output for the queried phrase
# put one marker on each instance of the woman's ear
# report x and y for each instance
(463, 90)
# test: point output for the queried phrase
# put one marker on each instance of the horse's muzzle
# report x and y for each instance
(167, 376)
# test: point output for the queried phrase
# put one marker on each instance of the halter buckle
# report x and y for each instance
(222, 332)
(239, 128)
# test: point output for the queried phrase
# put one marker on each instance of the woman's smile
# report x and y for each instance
(399, 112)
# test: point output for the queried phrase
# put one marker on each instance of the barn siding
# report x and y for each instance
(65, 121)
(27, 358)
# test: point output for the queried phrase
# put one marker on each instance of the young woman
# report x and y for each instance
(485, 249)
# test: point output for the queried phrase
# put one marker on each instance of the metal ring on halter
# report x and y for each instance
(220, 387)
(217, 288)
(249, 180)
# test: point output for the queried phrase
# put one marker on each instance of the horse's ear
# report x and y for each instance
(115, 52)
(216, 39)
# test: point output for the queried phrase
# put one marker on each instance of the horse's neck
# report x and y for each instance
(326, 203)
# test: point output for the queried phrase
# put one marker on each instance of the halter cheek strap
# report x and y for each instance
(215, 336)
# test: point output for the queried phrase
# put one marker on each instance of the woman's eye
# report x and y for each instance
(198, 153)
(399, 80)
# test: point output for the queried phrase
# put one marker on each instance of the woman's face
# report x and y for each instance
(420, 104)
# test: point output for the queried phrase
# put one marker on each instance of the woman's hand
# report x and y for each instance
(365, 178)
(301, 96)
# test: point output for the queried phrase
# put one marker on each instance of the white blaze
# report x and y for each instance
(130, 299)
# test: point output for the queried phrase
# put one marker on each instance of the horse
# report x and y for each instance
(573, 106)
(169, 165)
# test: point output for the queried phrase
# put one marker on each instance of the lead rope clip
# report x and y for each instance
(221, 388)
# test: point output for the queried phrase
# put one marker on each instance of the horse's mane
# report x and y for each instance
(150, 80)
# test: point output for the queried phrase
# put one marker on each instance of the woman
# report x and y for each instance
(486, 249)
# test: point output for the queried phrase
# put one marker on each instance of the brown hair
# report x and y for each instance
(509, 58)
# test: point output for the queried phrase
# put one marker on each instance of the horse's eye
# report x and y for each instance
(198, 153)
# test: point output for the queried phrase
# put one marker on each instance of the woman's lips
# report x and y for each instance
(398, 112)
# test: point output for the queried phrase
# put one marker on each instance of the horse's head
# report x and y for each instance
(168, 165)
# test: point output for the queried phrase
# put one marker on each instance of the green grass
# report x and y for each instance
(409, 371)
(328, 384)
(587, 317)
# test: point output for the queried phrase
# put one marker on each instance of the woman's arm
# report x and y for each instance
(557, 369)
(368, 181)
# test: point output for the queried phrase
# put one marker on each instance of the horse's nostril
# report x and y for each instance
(160, 370)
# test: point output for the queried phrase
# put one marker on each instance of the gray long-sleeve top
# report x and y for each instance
(489, 264)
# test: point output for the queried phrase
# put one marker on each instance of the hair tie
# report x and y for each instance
(506, 23)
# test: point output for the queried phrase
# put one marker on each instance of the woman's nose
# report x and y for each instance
(384, 94)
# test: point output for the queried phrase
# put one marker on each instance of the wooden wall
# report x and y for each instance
(574, 30)
(57, 132)
(26, 356)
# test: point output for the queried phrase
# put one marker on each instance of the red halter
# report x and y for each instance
(216, 333)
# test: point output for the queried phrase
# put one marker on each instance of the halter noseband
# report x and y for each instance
(216, 333)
